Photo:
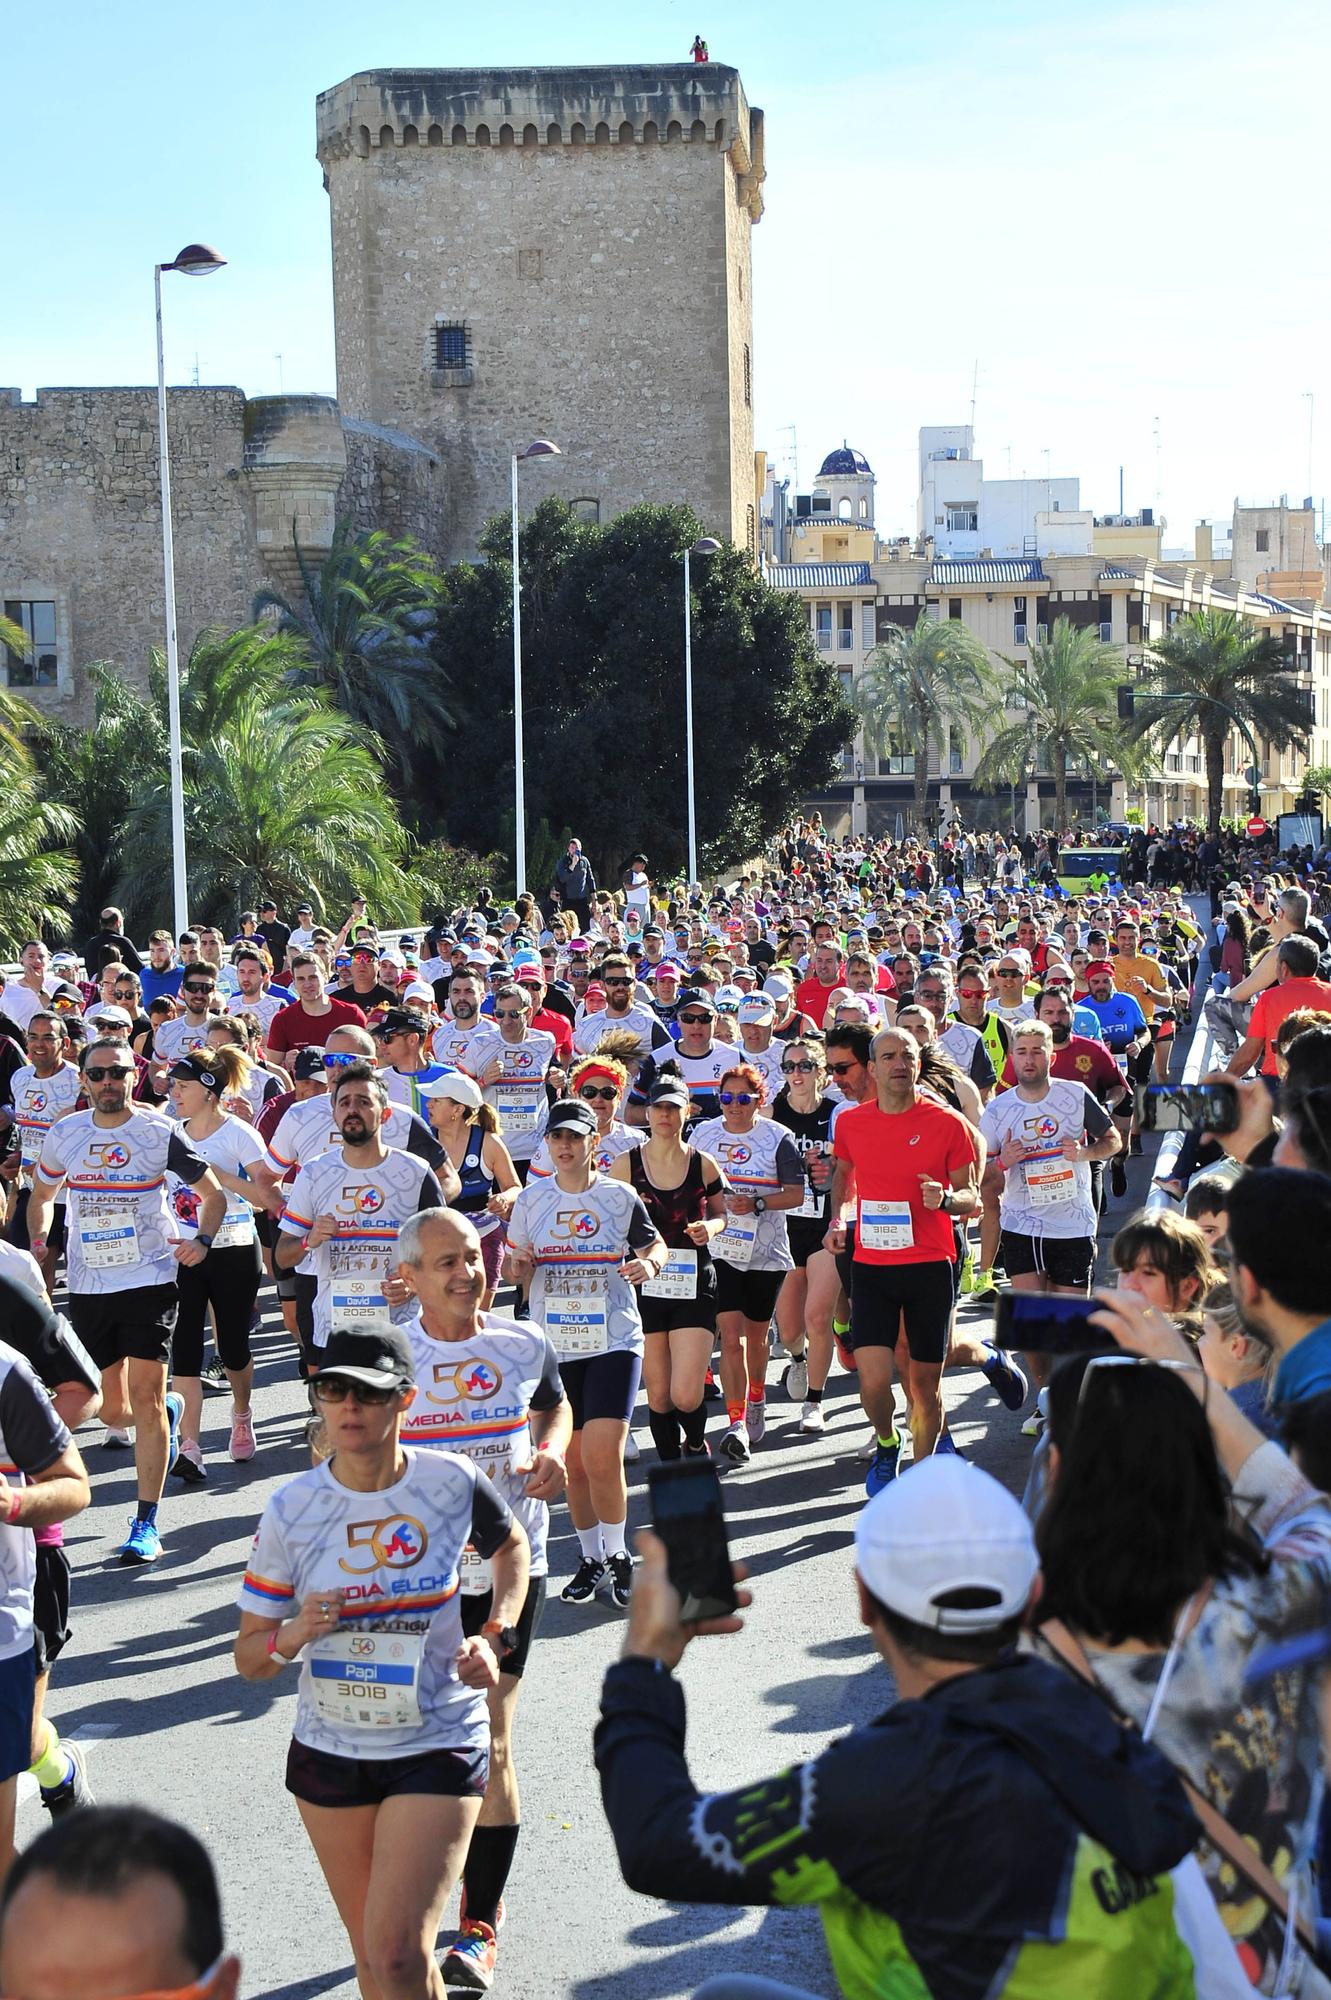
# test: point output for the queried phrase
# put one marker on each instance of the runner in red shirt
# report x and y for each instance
(913, 1162)
(312, 1016)
(825, 975)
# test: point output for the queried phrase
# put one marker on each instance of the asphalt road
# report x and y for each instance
(148, 1685)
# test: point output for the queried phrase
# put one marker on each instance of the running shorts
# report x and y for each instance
(134, 1325)
(806, 1237)
(921, 1294)
(17, 1681)
(604, 1385)
(321, 1779)
(752, 1293)
(1067, 1261)
(475, 1611)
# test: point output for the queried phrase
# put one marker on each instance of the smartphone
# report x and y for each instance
(1047, 1323)
(1189, 1107)
(688, 1516)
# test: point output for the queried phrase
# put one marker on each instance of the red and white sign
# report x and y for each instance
(1256, 827)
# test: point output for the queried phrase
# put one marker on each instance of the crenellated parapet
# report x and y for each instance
(683, 104)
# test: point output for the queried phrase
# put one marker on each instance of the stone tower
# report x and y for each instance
(558, 253)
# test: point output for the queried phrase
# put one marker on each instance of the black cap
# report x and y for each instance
(308, 1064)
(693, 998)
(196, 1068)
(377, 1356)
(398, 1021)
(570, 1114)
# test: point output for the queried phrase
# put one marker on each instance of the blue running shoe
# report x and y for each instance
(142, 1544)
(175, 1410)
(883, 1466)
(1007, 1381)
(945, 1448)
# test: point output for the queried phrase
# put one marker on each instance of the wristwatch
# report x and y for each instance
(204, 1238)
(759, 1205)
(505, 1638)
(946, 1203)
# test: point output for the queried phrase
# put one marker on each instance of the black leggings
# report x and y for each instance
(228, 1281)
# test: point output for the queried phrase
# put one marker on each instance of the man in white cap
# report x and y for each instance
(983, 1737)
(756, 1016)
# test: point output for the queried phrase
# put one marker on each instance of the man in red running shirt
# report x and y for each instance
(913, 1164)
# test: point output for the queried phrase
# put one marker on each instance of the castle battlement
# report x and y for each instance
(634, 105)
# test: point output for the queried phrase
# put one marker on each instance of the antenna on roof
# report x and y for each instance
(975, 390)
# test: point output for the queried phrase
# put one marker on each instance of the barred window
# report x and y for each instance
(450, 344)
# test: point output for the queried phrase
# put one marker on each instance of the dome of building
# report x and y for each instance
(843, 464)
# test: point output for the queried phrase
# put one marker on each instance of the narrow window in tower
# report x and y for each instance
(450, 344)
(748, 377)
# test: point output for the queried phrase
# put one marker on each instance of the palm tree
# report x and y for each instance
(915, 684)
(1069, 688)
(38, 874)
(365, 626)
(284, 794)
(1211, 668)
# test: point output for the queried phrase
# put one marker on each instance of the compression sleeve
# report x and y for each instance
(491, 1522)
(550, 1389)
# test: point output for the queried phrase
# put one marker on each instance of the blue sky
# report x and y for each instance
(1114, 210)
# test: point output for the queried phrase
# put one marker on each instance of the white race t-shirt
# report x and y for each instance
(1048, 1195)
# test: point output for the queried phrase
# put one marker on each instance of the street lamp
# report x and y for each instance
(540, 448)
(196, 260)
(706, 545)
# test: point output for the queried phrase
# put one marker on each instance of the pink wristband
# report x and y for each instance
(15, 1503)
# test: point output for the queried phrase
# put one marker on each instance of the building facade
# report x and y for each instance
(1011, 603)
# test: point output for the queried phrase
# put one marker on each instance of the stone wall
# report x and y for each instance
(392, 482)
(81, 522)
(586, 233)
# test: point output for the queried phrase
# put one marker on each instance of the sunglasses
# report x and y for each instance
(844, 1069)
(738, 1097)
(335, 1390)
(196, 988)
(508, 1013)
(694, 1020)
(1010, 972)
(618, 982)
(98, 1074)
(336, 1062)
(589, 1092)
(790, 1068)
(1100, 1362)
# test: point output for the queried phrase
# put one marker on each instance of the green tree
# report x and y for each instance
(284, 794)
(19, 720)
(364, 625)
(603, 692)
(1317, 781)
(38, 872)
(1210, 668)
(916, 683)
(1069, 687)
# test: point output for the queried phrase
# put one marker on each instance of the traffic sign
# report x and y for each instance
(1256, 827)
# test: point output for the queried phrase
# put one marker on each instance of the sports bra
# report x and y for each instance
(671, 1209)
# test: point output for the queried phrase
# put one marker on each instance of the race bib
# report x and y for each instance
(735, 1244)
(109, 1239)
(520, 1106)
(473, 1573)
(237, 1227)
(577, 1325)
(360, 1302)
(885, 1225)
(367, 1680)
(813, 1205)
(1049, 1182)
(678, 1279)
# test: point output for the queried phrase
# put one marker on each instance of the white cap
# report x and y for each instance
(756, 1007)
(416, 989)
(457, 1085)
(778, 987)
(948, 1527)
(115, 1017)
(728, 996)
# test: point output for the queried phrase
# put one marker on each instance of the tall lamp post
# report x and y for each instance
(539, 448)
(706, 545)
(196, 260)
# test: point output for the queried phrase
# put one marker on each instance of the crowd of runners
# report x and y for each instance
(543, 1188)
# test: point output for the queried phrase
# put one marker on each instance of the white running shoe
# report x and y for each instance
(812, 1419)
(795, 1380)
(734, 1442)
(632, 1450)
(755, 1420)
(869, 1449)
